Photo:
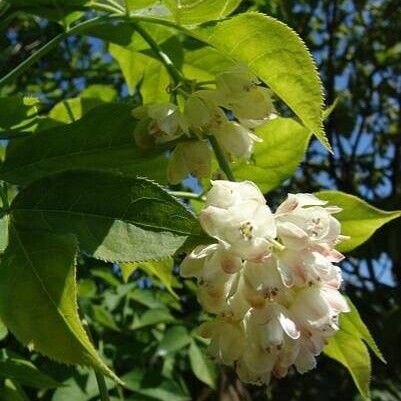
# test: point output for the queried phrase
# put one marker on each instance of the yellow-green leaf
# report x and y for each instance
(37, 273)
(359, 220)
(161, 269)
(277, 157)
(353, 324)
(279, 57)
(351, 352)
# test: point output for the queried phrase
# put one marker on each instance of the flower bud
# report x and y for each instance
(192, 157)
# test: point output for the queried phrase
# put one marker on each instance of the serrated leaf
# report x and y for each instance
(359, 220)
(102, 139)
(193, 12)
(203, 368)
(278, 156)
(279, 57)
(161, 269)
(115, 218)
(353, 324)
(40, 268)
(24, 372)
(351, 352)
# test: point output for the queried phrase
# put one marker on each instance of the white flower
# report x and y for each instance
(271, 279)
(224, 194)
(303, 221)
(166, 122)
(191, 157)
(227, 339)
(246, 228)
(238, 91)
(236, 139)
(202, 113)
(264, 283)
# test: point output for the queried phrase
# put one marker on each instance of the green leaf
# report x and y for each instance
(52, 9)
(40, 268)
(4, 232)
(174, 339)
(3, 331)
(102, 139)
(81, 387)
(205, 63)
(278, 57)
(278, 156)
(161, 269)
(24, 372)
(351, 352)
(16, 109)
(203, 368)
(12, 392)
(106, 93)
(154, 386)
(192, 12)
(151, 318)
(115, 218)
(359, 220)
(70, 110)
(104, 317)
(353, 324)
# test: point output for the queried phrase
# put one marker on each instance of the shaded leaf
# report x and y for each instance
(174, 339)
(115, 218)
(203, 368)
(102, 139)
(154, 386)
(24, 372)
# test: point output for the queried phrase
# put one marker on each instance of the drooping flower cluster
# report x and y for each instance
(270, 279)
(230, 112)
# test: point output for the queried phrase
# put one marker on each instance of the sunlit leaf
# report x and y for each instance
(359, 220)
(279, 57)
(44, 315)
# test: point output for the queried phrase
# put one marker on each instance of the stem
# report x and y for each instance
(187, 195)
(17, 71)
(106, 7)
(101, 382)
(221, 158)
(163, 57)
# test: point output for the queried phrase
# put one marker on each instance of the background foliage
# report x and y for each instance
(135, 307)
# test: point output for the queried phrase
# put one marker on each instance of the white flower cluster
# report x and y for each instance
(229, 112)
(270, 279)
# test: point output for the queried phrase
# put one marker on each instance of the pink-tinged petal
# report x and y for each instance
(290, 204)
(331, 254)
(292, 236)
(336, 301)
